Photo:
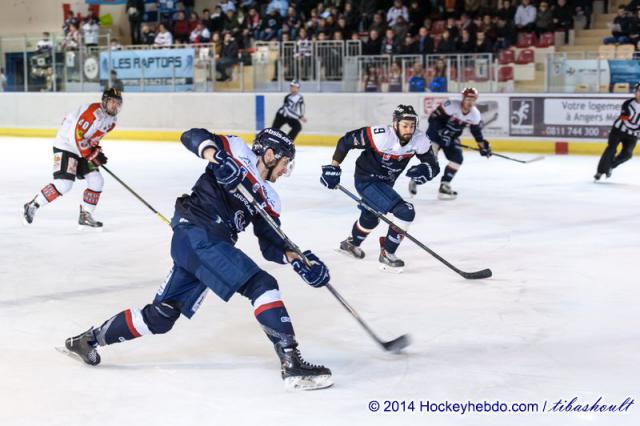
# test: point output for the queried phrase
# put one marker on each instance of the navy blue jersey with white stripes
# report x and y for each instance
(383, 157)
(227, 213)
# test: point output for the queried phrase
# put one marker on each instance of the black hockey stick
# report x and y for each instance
(506, 157)
(395, 345)
(485, 273)
(160, 215)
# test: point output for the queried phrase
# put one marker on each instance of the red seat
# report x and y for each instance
(506, 56)
(526, 56)
(505, 73)
(526, 40)
(438, 27)
(469, 74)
(545, 40)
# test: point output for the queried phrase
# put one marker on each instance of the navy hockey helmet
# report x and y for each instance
(279, 143)
(405, 112)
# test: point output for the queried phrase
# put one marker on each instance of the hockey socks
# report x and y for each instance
(273, 317)
(157, 318)
(449, 172)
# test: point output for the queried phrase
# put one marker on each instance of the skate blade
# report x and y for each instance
(447, 197)
(308, 382)
(63, 350)
(349, 254)
(86, 228)
(393, 270)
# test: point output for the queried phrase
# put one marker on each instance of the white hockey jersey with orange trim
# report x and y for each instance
(83, 129)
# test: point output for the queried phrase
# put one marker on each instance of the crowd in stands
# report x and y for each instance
(625, 28)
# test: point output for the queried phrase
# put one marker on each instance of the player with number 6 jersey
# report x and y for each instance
(77, 154)
(386, 152)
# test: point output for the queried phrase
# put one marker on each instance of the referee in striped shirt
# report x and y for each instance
(625, 131)
(292, 111)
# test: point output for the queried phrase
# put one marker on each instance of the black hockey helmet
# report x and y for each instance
(405, 112)
(279, 143)
(111, 93)
(295, 83)
(274, 139)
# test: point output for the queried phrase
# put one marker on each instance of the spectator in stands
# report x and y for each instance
(217, 20)
(304, 56)
(398, 9)
(373, 46)
(200, 34)
(584, 8)
(408, 46)
(544, 18)
(563, 17)
(217, 44)
(505, 34)
(228, 5)
(371, 81)
(446, 44)
(181, 28)
(416, 16)
(91, 31)
(70, 20)
(488, 27)
(525, 18)
(395, 78)
(389, 43)
(506, 11)
(378, 24)
(400, 28)
(72, 39)
(293, 21)
(344, 28)
(228, 57)
(417, 82)
(466, 43)
(194, 19)
(270, 26)
(619, 28)
(188, 8)
(350, 15)
(135, 12)
(147, 36)
(45, 45)
(439, 81)
(280, 6)
(472, 7)
(232, 24)
(454, 30)
(163, 37)
(424, 44)
(206, 19)
(114, 82)
(483, 44)
(166, 10)
(634, 30)
(115, 44)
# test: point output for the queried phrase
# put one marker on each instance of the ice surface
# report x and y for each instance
(560, 318)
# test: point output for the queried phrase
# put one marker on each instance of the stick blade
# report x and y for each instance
(478, 275)
(539, 158)
(397, 345)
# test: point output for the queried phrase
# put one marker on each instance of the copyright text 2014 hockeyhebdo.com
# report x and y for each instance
(567, 406)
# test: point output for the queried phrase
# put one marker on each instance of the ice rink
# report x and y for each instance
(559, 319)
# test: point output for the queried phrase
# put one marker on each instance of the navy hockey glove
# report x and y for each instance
(485, 148)
(317, 275)
(228, 173)
(330, 176)
(423, 172)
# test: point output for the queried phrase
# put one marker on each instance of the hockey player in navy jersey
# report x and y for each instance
(386, 152)
(446, 124)
(205, 229)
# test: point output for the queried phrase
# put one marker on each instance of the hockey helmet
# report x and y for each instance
(279, 143)
(470, 92)
(295, 83)
(405, 112)
(115, 94)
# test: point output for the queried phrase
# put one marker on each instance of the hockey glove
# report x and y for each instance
(423, 172)
(228, 173)
(317, 275)
(330, 176)
(485, 148)
(96, 157)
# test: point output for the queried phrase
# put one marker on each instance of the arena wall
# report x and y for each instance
(553, 123)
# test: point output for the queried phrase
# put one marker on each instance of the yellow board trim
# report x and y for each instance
(507, 145)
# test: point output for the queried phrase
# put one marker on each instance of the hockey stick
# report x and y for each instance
(485, 273)
(157, 213)
(395, 345)
(538, 158)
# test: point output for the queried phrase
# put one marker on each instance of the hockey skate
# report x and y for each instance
(351, 249)
(29, 211)
(86, 220)
(389, 262)
(598, 175)
(299, 374)
(413, 188)
(82, 346)
(446, 192)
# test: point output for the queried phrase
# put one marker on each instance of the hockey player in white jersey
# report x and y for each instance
(386, 152)
(446, 124)
(77, 153)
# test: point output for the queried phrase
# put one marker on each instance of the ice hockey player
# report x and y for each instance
(77, 153)
(446, 124)
(205, 229)
(386, 152)
(292, 111)
(625, 131)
